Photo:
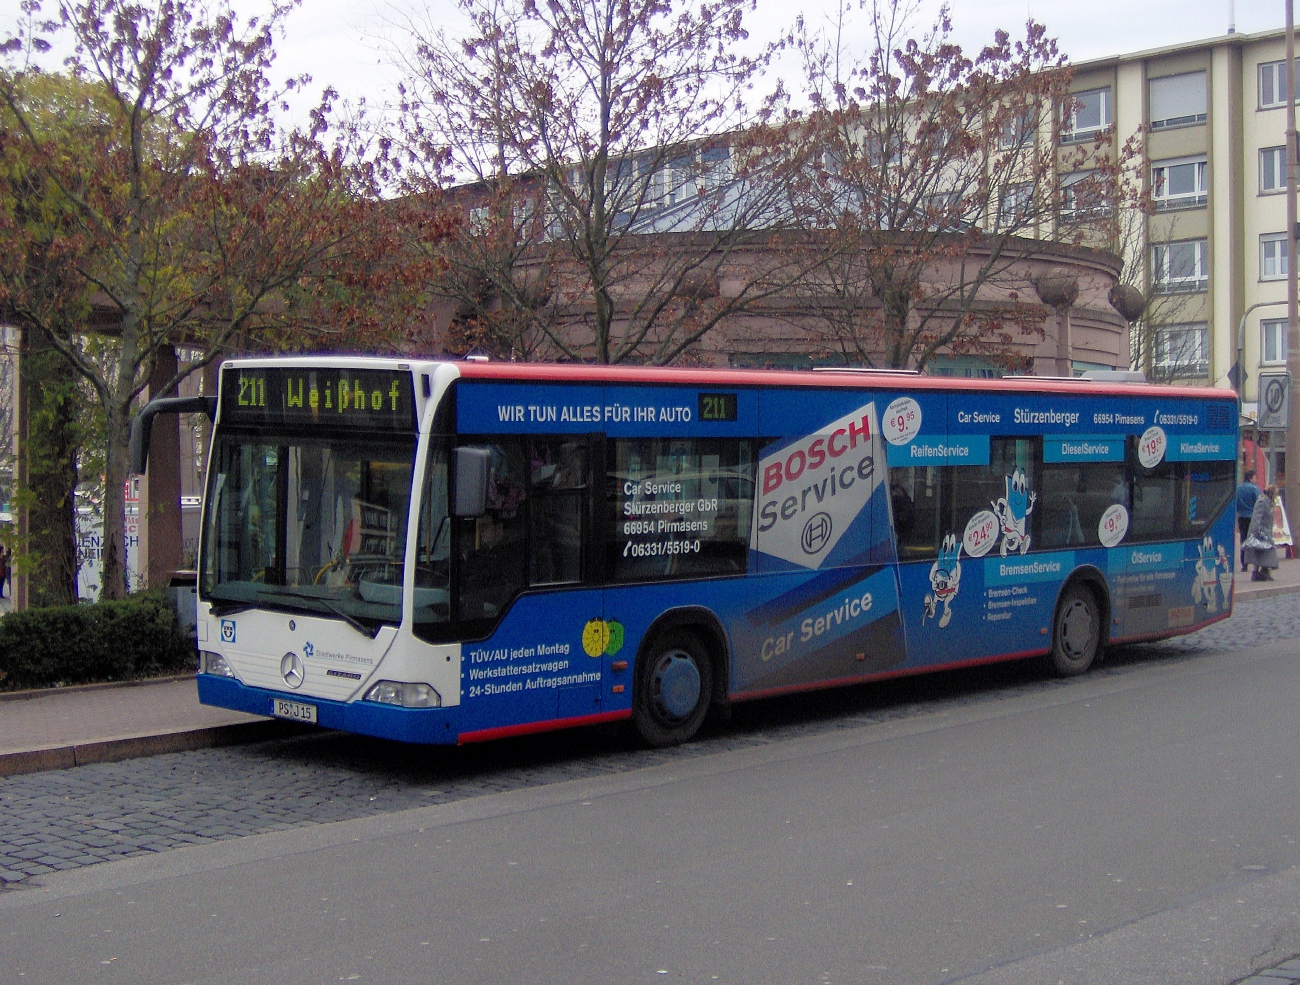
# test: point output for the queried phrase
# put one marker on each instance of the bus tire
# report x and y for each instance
(674, 683)
(1076, 632)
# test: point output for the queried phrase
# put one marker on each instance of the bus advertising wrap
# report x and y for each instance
(803, 534)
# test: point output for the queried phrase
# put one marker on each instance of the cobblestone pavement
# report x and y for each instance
(65, 819)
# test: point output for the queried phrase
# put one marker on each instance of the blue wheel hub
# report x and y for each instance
(679, 684)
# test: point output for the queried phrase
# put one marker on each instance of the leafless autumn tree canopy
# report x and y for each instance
(617, 156)
(614, 165)
(933, 174)
(149, 179)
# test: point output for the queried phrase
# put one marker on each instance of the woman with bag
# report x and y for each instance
(1258, 548)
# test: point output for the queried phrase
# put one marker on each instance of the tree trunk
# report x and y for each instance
(896, 312)
(117, 440)
(51, 446)
(604, 323)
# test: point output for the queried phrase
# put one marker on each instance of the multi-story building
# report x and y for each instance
(1212, 256)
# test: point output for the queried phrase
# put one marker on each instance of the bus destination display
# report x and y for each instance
(717, 406)
(349, 398)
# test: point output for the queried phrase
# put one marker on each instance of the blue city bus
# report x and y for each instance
(441, 552)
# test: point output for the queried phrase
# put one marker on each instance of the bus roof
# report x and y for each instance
(695, 376)
(584, 373)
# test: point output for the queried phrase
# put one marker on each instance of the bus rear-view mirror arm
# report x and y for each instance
(472, 466)
(142, 426)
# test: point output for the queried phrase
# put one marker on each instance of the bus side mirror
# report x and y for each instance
(141, 427)
(472, 466)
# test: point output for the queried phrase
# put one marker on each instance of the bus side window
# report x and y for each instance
(993, 487)
(532, 531)
(1074, 497)
(679, 507)
(490, 547)
(1158, 500)
(916, 497)
(1210, 485)
(433, 554)
(557, 495)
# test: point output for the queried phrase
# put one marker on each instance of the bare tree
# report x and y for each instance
(151, 179)
(932, 175)
(612, 171)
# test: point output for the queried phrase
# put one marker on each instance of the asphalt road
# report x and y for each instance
(1136, 825)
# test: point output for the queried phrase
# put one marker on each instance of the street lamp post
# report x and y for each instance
(1240, 381)
(1292, 443)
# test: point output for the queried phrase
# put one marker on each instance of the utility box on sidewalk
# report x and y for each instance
(183, 593)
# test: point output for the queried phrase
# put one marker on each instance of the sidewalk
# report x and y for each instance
(1286, 579)
(103, 723)
(99, 723)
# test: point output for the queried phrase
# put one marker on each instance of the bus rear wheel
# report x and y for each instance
(673, 684)
(1076, 636)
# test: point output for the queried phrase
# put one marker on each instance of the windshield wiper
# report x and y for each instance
(347, 617)
(220, 608)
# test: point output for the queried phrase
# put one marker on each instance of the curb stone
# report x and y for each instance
(113, 750)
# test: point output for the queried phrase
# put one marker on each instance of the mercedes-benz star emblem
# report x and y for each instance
(291, 670)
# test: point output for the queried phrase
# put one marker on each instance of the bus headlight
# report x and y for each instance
(215, 664)
(405, 695)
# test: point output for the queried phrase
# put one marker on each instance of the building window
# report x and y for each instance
(480, 219)
(963, 367)
(1272, 342)
(772, 360)
(1179, 267)
(1272, 256)
(715, 168)
(681, 179)
(1178, 101)
(1086, 114)
(1272, 169)
(1272, 84)
(1016, 207)
(1180, 183)
(1019, 130)
(1084, 193)
(1182, 350)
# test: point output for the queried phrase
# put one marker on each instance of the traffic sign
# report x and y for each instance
(1274, 401)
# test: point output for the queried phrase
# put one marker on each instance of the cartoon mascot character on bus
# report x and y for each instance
(1213, 575)
(1013, 511)
(945, 579)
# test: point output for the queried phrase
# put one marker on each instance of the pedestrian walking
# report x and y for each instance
(4, 569)
(1258, 547)
(1247, 494)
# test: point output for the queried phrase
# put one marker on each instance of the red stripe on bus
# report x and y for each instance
(532, 728)
(773, 692)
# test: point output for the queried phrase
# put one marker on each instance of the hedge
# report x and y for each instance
(106, 641)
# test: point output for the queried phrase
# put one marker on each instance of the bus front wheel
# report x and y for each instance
(1076, 637)
(673, 685)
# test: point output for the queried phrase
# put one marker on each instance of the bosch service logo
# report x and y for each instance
(816, 533)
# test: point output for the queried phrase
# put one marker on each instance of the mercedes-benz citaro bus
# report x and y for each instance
(448, 552)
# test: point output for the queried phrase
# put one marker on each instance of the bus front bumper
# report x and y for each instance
(422, 725)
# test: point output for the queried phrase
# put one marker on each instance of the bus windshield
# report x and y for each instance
(311, 524)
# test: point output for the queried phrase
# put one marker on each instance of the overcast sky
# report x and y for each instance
(338, 42)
